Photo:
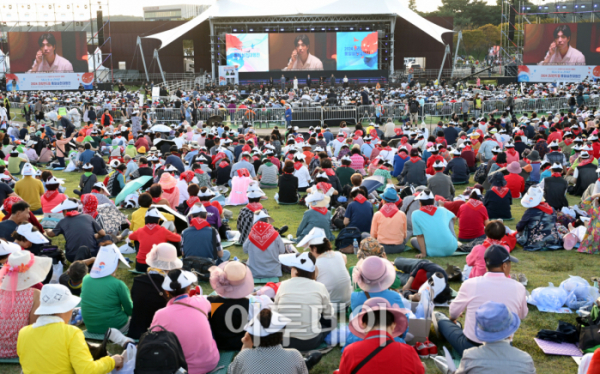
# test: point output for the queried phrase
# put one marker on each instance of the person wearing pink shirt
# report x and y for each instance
(494, 232)
(496, 286)
(187, 317)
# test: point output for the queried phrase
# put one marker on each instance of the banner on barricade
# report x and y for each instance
(49, 81)
(557, 73)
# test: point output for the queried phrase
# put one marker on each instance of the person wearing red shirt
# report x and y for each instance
(378, 324)
(149, 235)
(472, 218)
(432, 159)
(142, 142)
(514, 181)
(555, 135)
(595, 145)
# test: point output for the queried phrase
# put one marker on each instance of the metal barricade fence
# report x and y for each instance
(164, 115)
(267, 116)
(395, 111)
(366, 113)
(339, 113)
(308, 114)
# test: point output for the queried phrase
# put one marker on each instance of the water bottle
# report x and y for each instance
(355, 245)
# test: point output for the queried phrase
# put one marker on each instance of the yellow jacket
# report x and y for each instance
(138, 218)
(57, 348)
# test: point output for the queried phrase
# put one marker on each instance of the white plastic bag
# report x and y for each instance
(573, 282)
(550, 297)
(57, 271)
(129, 361)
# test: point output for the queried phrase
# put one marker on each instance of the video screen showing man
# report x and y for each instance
(560, 51)
(46, 59)
(301, 58)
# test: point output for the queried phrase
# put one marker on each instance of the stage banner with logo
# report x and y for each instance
(557, 73)
(49, 81)
(228, 75)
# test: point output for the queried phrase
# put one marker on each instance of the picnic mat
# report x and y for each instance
(227, 244)
(89, 335)
(265, 280)
(459, 253)
(558, 349)
(135, 271)
(13, 360)
(226, 357)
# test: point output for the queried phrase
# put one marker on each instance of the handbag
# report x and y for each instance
(99, 350)
(589, 337)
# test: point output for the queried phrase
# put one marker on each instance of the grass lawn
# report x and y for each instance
(540, 268)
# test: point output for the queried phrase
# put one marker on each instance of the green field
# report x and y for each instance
(540, 268)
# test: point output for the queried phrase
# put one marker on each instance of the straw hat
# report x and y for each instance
(318, 200)
(27, 268)
(376, 304)
(374, 274)
(163, 256)
(232, 280)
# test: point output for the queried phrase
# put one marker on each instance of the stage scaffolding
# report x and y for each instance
(93, 17)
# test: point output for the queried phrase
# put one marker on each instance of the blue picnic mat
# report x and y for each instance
(13, 360)
(265, 280)
(226, 357)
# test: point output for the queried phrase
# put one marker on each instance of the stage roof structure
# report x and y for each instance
(320, 8)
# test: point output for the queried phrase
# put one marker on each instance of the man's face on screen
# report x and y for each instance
(47, 48)
(561, 41)
(302, 50)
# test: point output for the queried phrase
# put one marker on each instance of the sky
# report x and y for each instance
(135, 8)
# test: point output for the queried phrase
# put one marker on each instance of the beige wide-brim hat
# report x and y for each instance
(29, 270)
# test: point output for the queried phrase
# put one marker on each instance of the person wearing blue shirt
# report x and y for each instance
(201, 239)
(189, 157)
(131, 166)
(486, 148)
(450, 133)
(237, 151)
(86, 155)
(288, 115)
(176, 162)
(367, 147)
(399, 159)
(359, 212)
(433, 228)
(328, 135)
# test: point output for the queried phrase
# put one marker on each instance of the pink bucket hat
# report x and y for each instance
(376, 304)
(163, 256)
(167, 181)
(232, 279)
(374, 274)
(514, 167)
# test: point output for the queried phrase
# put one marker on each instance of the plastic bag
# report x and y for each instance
(466, 272)
(573, 282)
(338, 336)
(129, 361)
(57, 271)
(550, 297)
(582, 296)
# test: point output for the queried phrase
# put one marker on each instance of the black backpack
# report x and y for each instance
(414, 106)
(345, 239)
(199, 266)
(159, 352)
(480, 174)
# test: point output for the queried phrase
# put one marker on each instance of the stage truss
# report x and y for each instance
(292, 24)
(72, 15)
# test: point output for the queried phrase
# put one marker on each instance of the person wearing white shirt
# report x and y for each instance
(295, 83)
(301, 172)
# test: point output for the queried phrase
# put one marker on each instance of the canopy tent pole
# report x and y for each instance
(456, 53)
(139, 43)
(212, 49)
(446, 53)
(162, 73)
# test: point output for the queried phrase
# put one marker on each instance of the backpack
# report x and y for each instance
(339, 213)
(480, 174)
(199, 266)
(345, 239)
(159, 352)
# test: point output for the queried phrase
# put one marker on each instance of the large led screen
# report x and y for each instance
(48, 52)
(250, 52)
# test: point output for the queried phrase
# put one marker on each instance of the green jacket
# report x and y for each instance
(105, 302)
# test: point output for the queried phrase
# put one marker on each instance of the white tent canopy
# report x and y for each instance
(244, 8)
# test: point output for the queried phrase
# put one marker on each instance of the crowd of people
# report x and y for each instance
(371, 190)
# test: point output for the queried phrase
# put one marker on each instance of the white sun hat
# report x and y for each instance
(261, 215)
(316, 236)
(65, 205)
(154, 212)
(533, 197)
(185, 279)
(28, 169)
(196, 208)
(35, 237)
(107, 260)
(298, 260)
(56, 299)
(6, 248)
(278, 322)
(425, 196)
